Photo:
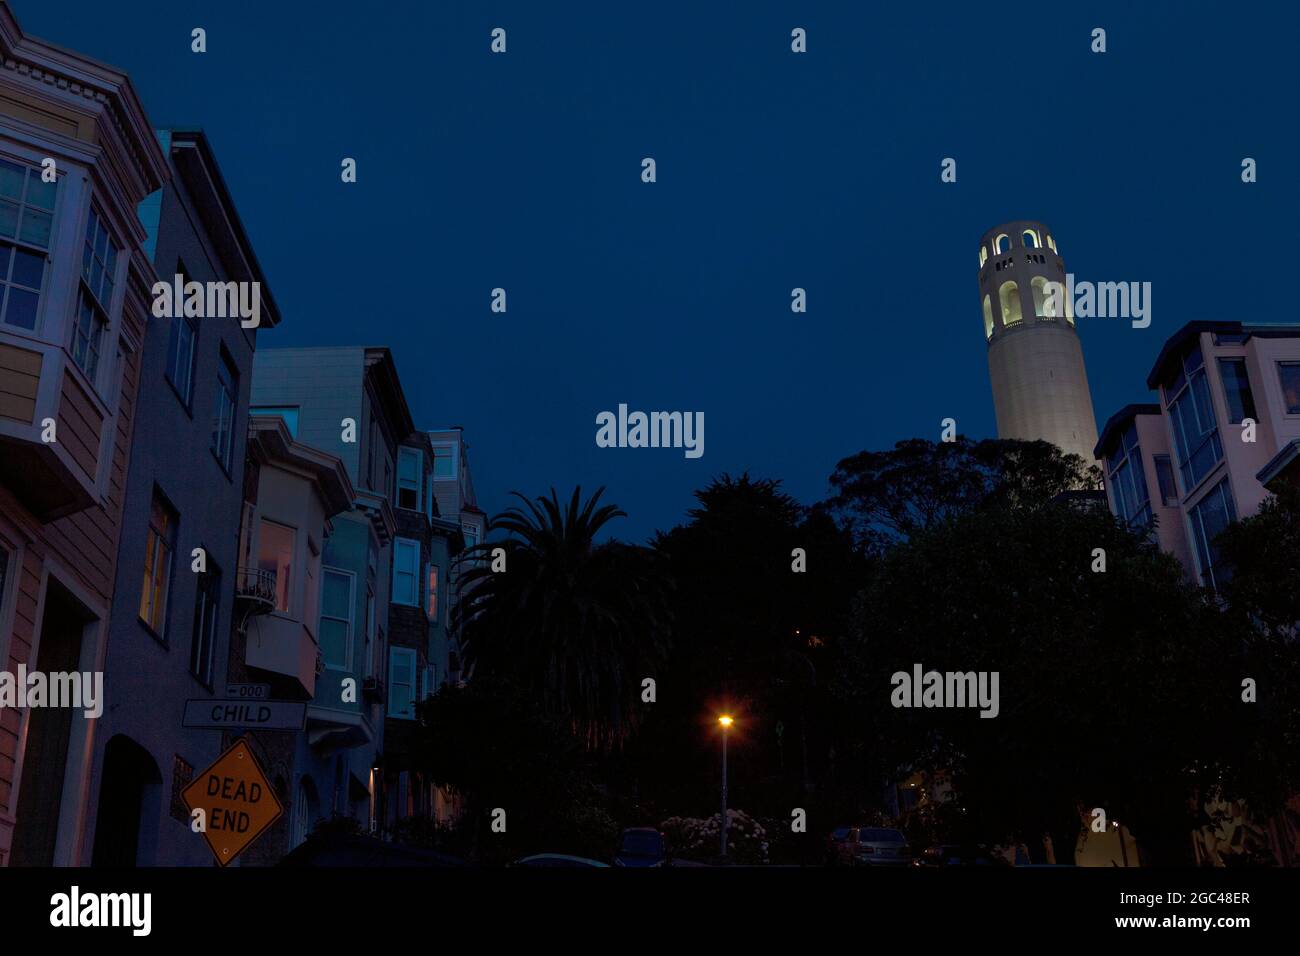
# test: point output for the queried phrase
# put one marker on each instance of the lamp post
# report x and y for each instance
(725, 721)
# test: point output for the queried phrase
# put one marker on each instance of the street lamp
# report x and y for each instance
(725, 721)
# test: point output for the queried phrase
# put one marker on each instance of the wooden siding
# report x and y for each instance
(20, 375)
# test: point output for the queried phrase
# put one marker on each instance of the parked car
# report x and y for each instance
(557, 859)
(955, 854)
(834, 842)
(641, 846)
(875, 846)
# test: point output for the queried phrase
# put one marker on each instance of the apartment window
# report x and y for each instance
(406, 572)
(1289, 373)
(336, 619)
(275, 547)
(287, 412)
(1208, 518)
(26, 219)
(1165, 476)
(410, 478)
(431, 598)
(471, 535)
(95, 295)
(444, 464)
(1191, 414)
(180, 357)
(370, 630)
(1236, 389)
(160, 545)
(223, 418)
(207, 602)
(1128, 480)
(401, 683)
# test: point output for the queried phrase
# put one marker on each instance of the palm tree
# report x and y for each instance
(578, 623)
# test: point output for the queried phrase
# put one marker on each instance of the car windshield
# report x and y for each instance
(880, 835)
(642, 844)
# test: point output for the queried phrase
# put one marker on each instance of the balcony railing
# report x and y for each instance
(256, 587)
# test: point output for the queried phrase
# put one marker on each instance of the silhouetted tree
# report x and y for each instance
(578, 623)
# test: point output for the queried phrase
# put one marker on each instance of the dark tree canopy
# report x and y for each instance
(886, 495)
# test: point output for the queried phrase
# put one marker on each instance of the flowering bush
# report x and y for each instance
(700, 839)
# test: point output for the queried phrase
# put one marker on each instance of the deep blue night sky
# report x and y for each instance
(775, 170)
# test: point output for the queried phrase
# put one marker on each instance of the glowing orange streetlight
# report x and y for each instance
(725, 721)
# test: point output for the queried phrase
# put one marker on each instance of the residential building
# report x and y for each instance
(418, 623)
(77, 156)
(1226, 428)
(453, 485)
(284, 622)
(347, 402)
(170, 626)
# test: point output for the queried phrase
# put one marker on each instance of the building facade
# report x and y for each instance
(453, 485)
(293, 494)
(177, 560)
(1040, 386)
(1225, 428)
(347, 402)
(419, 641)
(77, 156)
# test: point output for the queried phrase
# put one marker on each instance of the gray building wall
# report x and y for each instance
(147, 676)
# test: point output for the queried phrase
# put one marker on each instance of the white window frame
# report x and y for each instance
(409, 653)
(455, 467)
(399, 546)
(348, 649)
(112, 324)
(33, 166)
(403, 452)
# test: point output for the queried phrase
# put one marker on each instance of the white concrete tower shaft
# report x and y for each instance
(1040, 388)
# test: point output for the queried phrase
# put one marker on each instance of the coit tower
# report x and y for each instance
(1040, 388)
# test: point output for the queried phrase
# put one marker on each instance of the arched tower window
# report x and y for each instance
(984, 255)
(1009, 298)
(1030, 239)
(1044, 307)
(988, 318)
(1001, 244)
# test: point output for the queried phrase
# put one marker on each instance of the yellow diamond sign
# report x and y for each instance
(238, 803)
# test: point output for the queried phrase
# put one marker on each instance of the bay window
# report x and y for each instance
(1191, 416)
(94, 295)
(26, 220)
